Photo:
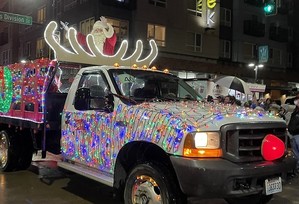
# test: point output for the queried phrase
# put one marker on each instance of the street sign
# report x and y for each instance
(15, 18)
(263, 54)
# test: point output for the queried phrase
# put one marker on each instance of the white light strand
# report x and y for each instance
(96, 57)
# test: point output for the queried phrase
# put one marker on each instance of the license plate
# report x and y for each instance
(273, 185)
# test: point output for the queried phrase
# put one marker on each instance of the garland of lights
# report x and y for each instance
(7, 95)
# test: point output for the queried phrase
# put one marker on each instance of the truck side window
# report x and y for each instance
(97, 85)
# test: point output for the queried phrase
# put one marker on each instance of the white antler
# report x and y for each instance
(96, 57)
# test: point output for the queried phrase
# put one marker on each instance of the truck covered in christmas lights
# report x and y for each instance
(144, 132)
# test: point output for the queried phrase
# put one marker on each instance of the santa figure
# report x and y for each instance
(103, 34)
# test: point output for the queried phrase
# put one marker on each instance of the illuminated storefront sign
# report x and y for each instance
(211, 4)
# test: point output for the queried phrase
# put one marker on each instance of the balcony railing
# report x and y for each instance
(278, 34)
(254, 28)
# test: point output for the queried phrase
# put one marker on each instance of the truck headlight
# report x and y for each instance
(202, 144)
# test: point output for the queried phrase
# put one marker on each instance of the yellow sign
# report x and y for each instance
(199, 5)
(211, 3)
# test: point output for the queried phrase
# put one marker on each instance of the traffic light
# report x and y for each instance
(270, 7)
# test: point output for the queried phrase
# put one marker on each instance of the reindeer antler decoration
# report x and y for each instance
(96, 57)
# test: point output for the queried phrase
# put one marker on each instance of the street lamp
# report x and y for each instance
(256, 67)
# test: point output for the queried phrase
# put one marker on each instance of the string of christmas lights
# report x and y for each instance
(96, 138)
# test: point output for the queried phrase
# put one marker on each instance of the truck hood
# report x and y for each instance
(211, 116)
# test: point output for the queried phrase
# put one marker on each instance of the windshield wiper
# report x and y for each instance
(129, 99)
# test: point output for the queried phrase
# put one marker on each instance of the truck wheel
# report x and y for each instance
(8, 154)
(150, 184)
(252, 199)
(26, 152)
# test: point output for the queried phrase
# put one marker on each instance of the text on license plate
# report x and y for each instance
(273, 185)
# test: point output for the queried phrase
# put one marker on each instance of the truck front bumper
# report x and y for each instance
(211, 178)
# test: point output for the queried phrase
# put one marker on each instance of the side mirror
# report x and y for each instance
(93, 98)
(97, 92)
(82, 97)
(97, 98)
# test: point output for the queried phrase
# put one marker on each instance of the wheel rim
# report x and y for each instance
(146, 191)
(3, 150)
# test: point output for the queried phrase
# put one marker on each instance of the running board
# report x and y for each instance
(88, 172)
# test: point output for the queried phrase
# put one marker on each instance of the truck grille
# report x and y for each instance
(242, 143)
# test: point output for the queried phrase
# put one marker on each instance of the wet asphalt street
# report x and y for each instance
(44, 183)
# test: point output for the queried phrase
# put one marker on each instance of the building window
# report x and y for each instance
(27, 49)
(40, 45)
(194, 42)
(41, 15)
(5, 57)
(195, 7)
(86, 25)
(249, 51)
(157, 33)
(121, 28)
(161, 3)
(69, 4)
(225, 17)
(225, 49)
(275, 56)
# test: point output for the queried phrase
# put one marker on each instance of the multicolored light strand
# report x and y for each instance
(95, 138)
(6, 95)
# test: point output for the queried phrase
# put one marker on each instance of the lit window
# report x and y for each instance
(194, 42)
(225, 17)
(195, 7)
(40, 48)
(225, 49)
(161, 3)
(86, 25)
(121, 28)
(157, 33)
(41, 15)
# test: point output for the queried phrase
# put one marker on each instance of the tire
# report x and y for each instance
(8, 152)
(149, 183)
(252, 199)
(26, 152)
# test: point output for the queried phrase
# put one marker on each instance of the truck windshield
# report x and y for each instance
(144, 85)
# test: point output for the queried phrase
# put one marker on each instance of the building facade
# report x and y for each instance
(206, 36)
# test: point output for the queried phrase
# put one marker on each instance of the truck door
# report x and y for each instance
(87, 135)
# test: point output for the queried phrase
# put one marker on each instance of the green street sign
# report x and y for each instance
(15, 18)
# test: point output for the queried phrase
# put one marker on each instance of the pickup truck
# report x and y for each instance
(144, 132)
